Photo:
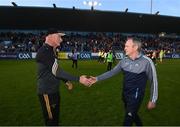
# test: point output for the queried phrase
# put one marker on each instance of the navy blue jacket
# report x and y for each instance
(136, 73)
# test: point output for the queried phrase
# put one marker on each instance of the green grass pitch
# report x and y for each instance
(98, 105)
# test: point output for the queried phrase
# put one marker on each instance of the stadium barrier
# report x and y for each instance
(20, 55)
(119, 55)
(66, 55)
(8, 56)
(61, 55)
(85, 55)
(172, 55)
(24, 56)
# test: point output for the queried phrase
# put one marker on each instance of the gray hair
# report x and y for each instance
(137, 42)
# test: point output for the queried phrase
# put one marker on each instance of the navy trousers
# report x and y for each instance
(132, 102)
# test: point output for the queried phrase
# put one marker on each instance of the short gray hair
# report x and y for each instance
(137, 42)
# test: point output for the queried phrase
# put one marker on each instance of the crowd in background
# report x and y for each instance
(12, 42)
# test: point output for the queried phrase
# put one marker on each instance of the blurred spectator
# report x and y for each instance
(85, 42)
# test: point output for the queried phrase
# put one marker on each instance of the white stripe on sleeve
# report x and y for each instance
(55, 67)
(155, 83)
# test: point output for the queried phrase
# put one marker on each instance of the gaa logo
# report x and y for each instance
(24, 56)
(85, 55)
(175, 55)
(119, 55)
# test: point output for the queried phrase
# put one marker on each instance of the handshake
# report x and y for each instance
(87, 80)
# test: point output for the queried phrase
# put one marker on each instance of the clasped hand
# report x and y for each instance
(87, 80)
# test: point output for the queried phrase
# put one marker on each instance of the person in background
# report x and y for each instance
(161, 55)
(99, 56)
(154, 55)
(74, 58)
(109, 60)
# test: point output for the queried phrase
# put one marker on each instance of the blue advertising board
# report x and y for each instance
(85, 55)
(8, 56)
(24, 55)
(172, 55)
(21, 55)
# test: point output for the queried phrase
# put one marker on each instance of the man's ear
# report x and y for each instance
(136, 47)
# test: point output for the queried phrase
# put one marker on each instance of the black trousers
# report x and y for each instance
(99, 59)
(109, 67)
(154, 60)
(74, 62)
(132, 104)
(50, 104)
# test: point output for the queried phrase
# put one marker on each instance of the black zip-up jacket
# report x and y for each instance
(49, 72)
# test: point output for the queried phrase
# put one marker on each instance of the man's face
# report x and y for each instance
(57, 39)
(130, 48)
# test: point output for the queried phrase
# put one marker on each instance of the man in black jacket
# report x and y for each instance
(49, 76)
